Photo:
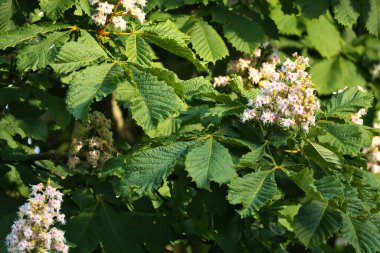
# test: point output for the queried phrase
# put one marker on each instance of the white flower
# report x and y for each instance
(105, 8)
(119, 23)
(99, 18)
(32, 231)
(220, 81)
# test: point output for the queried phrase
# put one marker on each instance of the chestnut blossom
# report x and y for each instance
(114, 13)
(119, 23)
(286, 95)
(221, 81)
(33, 231)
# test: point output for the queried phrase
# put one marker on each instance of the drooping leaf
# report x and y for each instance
(207, 43)
(54, 9)
(371, 13)
(345, 74)
(6, 13)
(167, 36)
(77, 54)
(363, 236)
(154, 100)
(316, 222)
(138, 50)
(40, 54)
(322, 156)
(209, 161)
(304, 180)
(346, 139)
(327, 45)
(252, 191)
(27, 32)
(94, 82)
(146, 169)
(346, 12)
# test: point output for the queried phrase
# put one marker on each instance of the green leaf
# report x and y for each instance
(322, 156)
(146, 169)
(286, 24)
(6, 13)
(209, 161)
(115, 235)
(315, 222)
(345, 74)
(304, 180)
(252, 191)
(154, 100)
(312, 9)
(40, 54)
(83, 230)
(244, 35)
(197, 86)
(54, 9)
(330, 187)
(363, 236)
(330, 43)
(207, 43)
(77, 54)
(344, 138)
(94, 82)
(345, 12)
(349, 101)
(250, 159)
(371, 15)
(167, 36)
(27, 32)
(355, 206)
(138, 51)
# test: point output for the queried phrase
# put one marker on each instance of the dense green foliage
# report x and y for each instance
(180, 171)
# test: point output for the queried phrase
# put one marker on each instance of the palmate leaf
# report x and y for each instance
(344, 138)
(138, 50)
(209, 161)
(55, 8)
(252, 191)
(27, 32)
(304, 180)
(328, 45)
(167, 36)
(146, 169)
(94, 82)
(355, 206)
(315, 222)
(322, 156)
(154, 100)
(349, 101)
(40, 54)
(346, 12)
(6, 13)
(363, 236)
(286, 24)
(206, 42)
(77, 54)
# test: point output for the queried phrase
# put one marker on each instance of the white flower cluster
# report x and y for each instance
(246, 67)
(33, 231)
(286, 95)
(110, 13)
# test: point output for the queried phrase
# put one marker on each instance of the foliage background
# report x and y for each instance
(55, 69)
